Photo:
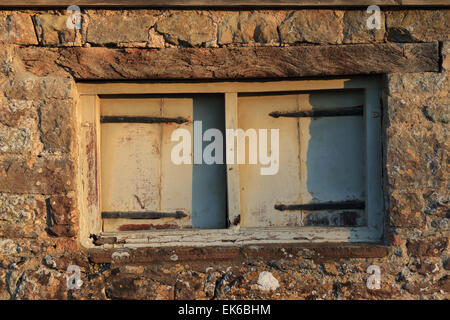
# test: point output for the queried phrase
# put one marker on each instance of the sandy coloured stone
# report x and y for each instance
(119, 28)
(356, 29)
(26, 86)
(15, 140)
(17, 208)
(313, 26)
(187, 29)
(52, 30)
(425, 84)
(17, 29)
(246, 27)
(445, 50)
(418, 25)
(36, 175)
(56, 124)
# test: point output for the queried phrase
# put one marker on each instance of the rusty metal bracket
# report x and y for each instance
(140, 119)
(339, 112)
(143, 215)
(341, 205)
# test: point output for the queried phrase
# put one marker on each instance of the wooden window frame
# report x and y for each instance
(89, 168)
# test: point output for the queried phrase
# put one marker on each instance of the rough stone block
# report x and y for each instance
(418, 25)
(17, 208)
(120, 29)
(56, 125)
(52, 30)
(356, 30)
(36, 175)
(17, 29)
(313, 26)
(187, 29)
(247, 27)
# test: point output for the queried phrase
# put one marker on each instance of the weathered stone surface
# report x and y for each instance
(313, 26)
(416, 158)
(61, 230)
(26, 86)
(445, 51)
(57, 118)
(418, 25)
(18, 123)
(246, 27)
(224, 63)
(52, 30)
(356, 30)
(427, 248)
(17, 29)
(187, 29)
(17, 208)
(425, 84)
(437, 110)
(14, 113)
(416, 146)
(59, 209)
(406, 208)
(15, 140)
(120, 29)
(39, 175)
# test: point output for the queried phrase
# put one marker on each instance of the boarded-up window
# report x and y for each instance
(326, 185)
(322, 160)
(141, 187)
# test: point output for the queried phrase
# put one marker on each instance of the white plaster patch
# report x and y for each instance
(120, 255)
(266, 281)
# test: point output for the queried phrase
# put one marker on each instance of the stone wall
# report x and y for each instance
(42, 60)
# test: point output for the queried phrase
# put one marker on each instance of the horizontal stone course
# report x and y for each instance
(202, 28)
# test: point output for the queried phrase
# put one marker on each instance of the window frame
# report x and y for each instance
(88, 189)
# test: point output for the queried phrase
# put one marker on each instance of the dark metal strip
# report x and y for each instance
(140, 119)
(342, 205)
(143, 215)
(339, 112)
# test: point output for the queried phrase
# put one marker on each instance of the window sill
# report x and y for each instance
(319, 253)
(233, 237)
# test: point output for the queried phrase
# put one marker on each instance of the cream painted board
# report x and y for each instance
(137, 171)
